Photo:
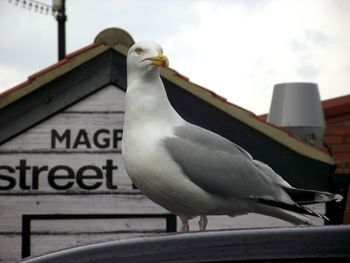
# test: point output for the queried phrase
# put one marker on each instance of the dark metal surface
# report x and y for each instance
(303, 244)
(26, 223)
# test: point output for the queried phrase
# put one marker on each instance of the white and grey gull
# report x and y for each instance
(189, 170)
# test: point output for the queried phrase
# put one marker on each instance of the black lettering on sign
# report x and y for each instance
(109, 167)
(36, 171)
(22, 168)
(11, 182)
(65, 137)
(105, 143)
(101, 138)
(53, 176)
(86, 173)
(60, 177)
(82, 139)
(117, 137)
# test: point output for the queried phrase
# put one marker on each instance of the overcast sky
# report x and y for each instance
(237, 48)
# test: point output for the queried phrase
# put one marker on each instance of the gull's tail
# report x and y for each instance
(299, 209)
(300, 196)
(295, 213)
(305, 197)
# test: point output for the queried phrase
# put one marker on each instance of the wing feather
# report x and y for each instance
(220, 166)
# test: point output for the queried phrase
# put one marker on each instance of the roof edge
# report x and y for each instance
(108, 38)
(50, 73)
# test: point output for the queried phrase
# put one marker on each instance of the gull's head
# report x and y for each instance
(146, 56)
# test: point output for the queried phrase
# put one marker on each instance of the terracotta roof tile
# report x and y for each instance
(336, 106)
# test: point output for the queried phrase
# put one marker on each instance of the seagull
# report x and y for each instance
(193, 172)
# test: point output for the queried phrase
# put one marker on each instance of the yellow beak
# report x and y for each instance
(160, 60)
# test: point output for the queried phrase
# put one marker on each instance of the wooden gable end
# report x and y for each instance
(63, 91)
(77, 149)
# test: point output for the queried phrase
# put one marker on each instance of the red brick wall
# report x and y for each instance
(337, 137)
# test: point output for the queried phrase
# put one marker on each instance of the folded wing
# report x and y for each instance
(223, 168)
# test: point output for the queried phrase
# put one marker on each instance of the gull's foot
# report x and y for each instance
(184, 227)
(203, 222)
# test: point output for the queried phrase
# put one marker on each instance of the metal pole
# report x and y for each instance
(61, 19)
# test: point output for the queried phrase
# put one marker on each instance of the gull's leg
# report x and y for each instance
(203, 223)
(184, 227)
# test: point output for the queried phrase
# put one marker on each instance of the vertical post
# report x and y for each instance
(61, 19)
(25, 236)
(171, 224)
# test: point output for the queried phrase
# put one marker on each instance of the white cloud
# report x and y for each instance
(9, 77)
(241, 53)
(28, 43)
(239, 49)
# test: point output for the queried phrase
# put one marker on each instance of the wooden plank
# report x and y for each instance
(10, 248)
(103, 111)
(71, 132)
(63, 172)
(81, 226)
(110, 98)
(13, 207)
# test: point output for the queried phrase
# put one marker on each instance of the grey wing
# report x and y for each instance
(220, 166)
(209, 140)
(271, 173)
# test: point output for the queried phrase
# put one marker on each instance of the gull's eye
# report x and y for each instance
(139, 50)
